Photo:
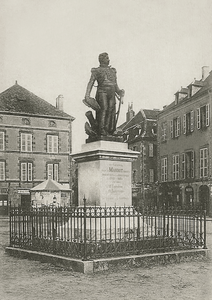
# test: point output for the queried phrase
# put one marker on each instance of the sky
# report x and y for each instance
(156, 46)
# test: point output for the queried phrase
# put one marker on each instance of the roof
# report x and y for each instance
(182, 91)
(119, 128)
(151, 113)
(17, 99)
(141, 116)
(205, 86)
(50, 185)
(197, 83)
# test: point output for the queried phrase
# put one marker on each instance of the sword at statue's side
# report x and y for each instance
(121, 101)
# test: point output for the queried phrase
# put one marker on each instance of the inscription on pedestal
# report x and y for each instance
(116, 179)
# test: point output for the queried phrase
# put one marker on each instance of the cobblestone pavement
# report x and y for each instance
(23, 279)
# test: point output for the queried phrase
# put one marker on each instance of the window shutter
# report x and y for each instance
(55, 144)
(2, 170)
(56, 172)
(171, 128)
(23, 172)
(192, 121)
(165, 131)
(207, 115)
(183, 166)
(173, 166)
(192, 164)
(178, 126)
(198, 118)
(23, 142)
(184, 123)
(29, 171)
(1, 141)
(50, 170)
(49, 143)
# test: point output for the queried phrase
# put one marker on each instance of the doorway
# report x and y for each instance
(204, 195)
(189, 196)
(25, 201)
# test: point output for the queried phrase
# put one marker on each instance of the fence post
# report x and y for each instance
(85, 244)
(164, 222)
(138, 229)
(10, 214)
(54, 229)
(205, 247)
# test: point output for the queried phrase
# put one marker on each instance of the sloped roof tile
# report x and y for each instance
(50, 185)
(140, 116)
(17, 99)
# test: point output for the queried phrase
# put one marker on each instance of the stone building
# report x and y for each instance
(185, 146)
(140, 132)
(35, 142)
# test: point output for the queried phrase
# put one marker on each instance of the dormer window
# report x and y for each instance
(180, 95)
(194, 87)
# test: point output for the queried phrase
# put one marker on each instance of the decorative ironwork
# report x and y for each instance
(96, 232)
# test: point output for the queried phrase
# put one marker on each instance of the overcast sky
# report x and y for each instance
(157, 46)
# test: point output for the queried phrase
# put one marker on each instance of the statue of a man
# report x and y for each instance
(107, 90)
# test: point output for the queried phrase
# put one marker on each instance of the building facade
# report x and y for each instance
(35, 142)
(140, 132)
(185, 146)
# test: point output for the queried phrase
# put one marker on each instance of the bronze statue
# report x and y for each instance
(105, 100)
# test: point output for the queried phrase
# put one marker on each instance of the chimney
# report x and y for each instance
(205, 72)
(130, 114)
(59, 102)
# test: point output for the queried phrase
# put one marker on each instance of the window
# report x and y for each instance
(26, 171)
(188, 122)
(176, 167)
(2, 170)
(188, 165)
(53, 171)
(25, 121)
(2, 141)
(164, 131)
(164, 169)
(52, 124)
(151, 175)
(203, 117)
(175, 127)
(52, 143)
(26, 142)
(203, 162)
(151, 150)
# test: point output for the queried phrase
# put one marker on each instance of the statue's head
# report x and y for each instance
(104, 59)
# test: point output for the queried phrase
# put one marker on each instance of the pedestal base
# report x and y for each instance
(104, 173)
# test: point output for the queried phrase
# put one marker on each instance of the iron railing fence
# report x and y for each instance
(97, 232)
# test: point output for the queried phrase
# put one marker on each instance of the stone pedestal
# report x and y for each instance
(104, 173)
